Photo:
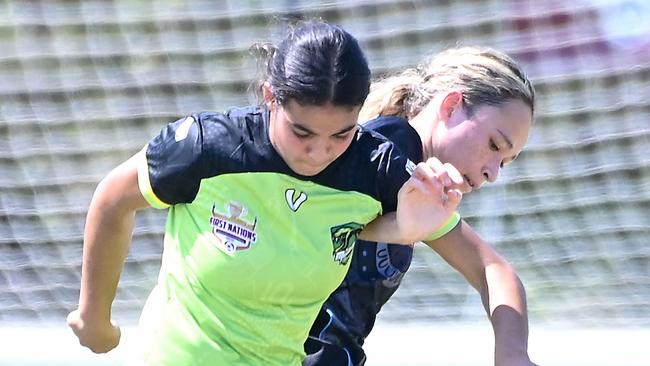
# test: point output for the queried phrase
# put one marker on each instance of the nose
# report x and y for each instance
(319, 151)
(491, 170)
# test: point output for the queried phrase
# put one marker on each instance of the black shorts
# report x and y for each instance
(329, 344)
(322, 353)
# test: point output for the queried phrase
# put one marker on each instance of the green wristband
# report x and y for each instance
(451, 223)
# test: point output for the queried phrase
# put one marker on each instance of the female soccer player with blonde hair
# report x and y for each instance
(471, 108)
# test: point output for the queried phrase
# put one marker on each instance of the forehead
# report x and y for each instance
(325, 119)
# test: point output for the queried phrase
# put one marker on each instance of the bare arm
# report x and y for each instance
(107, 237)
(501, 290)
(383, 229)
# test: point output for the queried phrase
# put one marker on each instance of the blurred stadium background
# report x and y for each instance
(85, 84)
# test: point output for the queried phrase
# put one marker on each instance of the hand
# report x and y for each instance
(522, 360)
(428, 199)
(98, 337)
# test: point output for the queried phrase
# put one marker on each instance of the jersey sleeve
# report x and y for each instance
(169, 166)
(394, 169)
(400, 133)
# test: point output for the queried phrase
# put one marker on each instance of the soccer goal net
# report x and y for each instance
(85, 84)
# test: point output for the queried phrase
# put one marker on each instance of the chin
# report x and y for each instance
(307, 171)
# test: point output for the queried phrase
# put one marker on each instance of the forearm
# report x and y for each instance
(506, 306)
(501, 291)
(107, 237)
(106, 241)
(105, 247)
(384, 229)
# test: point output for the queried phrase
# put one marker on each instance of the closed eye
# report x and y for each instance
(346, 133)
(301, 134)
(493, 146)
(342, 137)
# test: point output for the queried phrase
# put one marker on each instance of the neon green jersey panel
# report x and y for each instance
(240, 282)
(251, 249)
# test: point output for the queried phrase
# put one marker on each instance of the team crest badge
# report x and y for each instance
(343, 239)
(233, 232)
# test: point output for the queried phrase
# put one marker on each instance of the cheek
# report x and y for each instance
(465, 153)
(339, 146)
(478, 154)
(287, 144)
(463, 158)
(290, 140)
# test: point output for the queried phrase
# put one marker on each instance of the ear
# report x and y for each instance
(451, 102)
(267, 93)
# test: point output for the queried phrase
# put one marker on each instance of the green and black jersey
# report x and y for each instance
(251, 249)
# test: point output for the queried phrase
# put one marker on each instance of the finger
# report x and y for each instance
(454, 196)
(435, 164)
(433, 174)
(118, 333)
(416, 183)
(427, 193)
(70, 318)
(424, 171)
(73, 321)
(424, 180)
(433, 186)
(453, 173)
(439, 169)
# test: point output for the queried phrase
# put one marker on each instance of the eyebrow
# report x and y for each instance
(305, 129)
(508, 142)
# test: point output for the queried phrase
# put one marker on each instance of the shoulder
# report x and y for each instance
(201, 145)
(232, 120)
(400, 132)
(232, 126)
(370, 139)
(372, 151)
(383, 122)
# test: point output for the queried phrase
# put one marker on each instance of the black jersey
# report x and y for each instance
(376, 271)
(382, 265)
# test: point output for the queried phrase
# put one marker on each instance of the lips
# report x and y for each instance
(469, 183)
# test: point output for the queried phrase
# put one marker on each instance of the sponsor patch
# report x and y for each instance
(232, 231)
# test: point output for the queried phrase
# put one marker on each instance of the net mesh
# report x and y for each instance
(85, 84)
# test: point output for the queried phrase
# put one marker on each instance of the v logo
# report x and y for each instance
(294, 204)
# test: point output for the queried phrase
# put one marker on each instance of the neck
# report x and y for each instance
(424, 128)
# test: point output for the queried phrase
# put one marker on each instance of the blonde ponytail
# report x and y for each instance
(388, 97)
